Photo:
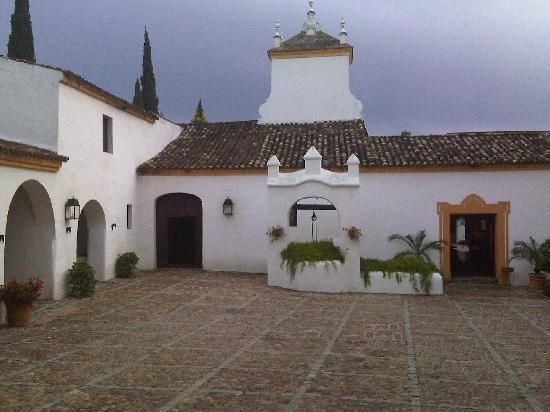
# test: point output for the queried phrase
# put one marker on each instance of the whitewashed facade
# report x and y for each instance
(45, 108)
(70, 123)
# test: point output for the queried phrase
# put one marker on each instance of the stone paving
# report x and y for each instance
(193, 340)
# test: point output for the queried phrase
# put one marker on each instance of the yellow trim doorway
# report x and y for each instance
(474, 205)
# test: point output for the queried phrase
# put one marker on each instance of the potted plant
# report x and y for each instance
(537, 255)
(18, 298)
(276, 233)
(354, 233)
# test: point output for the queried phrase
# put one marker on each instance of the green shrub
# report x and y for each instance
(81, 280)
(126, 265)
(400, 267)
(299, 254)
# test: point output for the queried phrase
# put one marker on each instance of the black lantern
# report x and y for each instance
(228, 207)
(72, 209)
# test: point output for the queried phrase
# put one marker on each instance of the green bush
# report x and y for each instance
(126, 265)
(299, 254)
(399, 267)
(81, 280)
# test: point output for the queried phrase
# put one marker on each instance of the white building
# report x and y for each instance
(148, 185)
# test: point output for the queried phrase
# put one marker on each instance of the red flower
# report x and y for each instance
(24, 292)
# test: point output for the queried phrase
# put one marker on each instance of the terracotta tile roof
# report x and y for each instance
(249, 145)
(20, 149)
(317, 41)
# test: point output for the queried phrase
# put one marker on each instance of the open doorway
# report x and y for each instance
(473, 245)
(179, 231)
(90, 241)
(30, 236)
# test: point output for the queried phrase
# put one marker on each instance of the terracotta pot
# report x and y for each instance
(536, 281)
(19, 314)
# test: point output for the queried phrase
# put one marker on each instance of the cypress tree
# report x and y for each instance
(199, 117)
(138, 97)
(148, 83)
(21, 41)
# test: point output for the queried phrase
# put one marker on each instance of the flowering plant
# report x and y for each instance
(354, 233)
(22, 293)
(276, 233)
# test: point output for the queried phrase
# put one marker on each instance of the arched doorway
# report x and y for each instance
(91, 237)
(30, 236)
(179, 230)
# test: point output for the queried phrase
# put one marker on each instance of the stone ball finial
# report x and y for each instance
(343, 33)
(277, 38)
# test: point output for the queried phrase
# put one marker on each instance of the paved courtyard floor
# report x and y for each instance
(192, 340)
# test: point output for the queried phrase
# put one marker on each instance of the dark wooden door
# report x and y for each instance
(473, 251)
(179, 231)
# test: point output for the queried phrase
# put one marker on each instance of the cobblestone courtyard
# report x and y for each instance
(212, 341)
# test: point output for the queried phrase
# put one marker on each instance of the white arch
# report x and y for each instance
(30, 236)
(327, 226)
(94, 242)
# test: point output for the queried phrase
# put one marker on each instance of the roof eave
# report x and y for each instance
(278, 53)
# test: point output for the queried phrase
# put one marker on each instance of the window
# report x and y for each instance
(129, 216)
(107, 134)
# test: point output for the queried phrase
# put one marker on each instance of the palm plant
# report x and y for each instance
(538, 255)
(417, 245)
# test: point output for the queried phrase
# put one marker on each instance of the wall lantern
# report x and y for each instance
(113, 226)
(72, 209)
(68, 230)
(228, 207)
(2, 238)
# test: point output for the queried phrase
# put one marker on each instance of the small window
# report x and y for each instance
(129, 217)
(107, 134)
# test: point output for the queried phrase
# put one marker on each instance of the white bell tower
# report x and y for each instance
(310, 77)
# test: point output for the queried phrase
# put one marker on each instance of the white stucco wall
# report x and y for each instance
(231, 243)
(407, 202)
(342, 190)
(390, 203)
(29, 103)
(314, 89)
(90, 174)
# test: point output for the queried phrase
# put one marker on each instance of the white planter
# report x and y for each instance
(335, 277)
(381, 284)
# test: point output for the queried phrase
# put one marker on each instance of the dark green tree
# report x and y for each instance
(199, 117)
(138, 97)
(148, 83)
(21, 41)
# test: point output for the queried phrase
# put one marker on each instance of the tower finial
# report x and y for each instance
(277, 38)
(311, 26)
(343, 33)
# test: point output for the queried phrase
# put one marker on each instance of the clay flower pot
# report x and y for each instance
(18, 314)
(536, 281)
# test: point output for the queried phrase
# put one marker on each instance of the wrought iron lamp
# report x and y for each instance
(72, 209)
(228, 207)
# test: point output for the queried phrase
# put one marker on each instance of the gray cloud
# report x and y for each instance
(423, 65)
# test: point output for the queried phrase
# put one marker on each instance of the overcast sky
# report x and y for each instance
(430, 66)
